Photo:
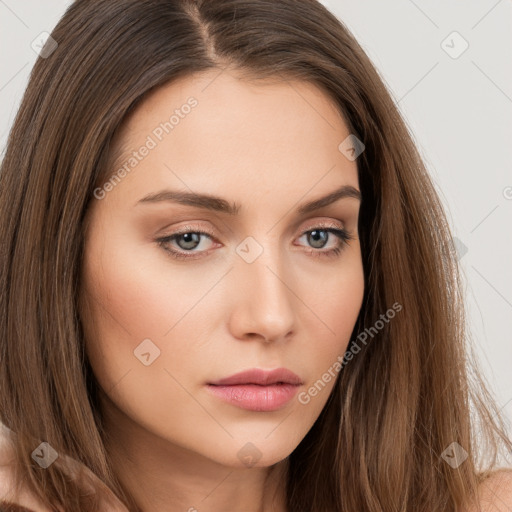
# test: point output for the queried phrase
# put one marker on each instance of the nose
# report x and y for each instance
(263, 299)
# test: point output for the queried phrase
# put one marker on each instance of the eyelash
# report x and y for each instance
(342, 235)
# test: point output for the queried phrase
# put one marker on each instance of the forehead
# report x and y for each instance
(257, 109)
(217, 132)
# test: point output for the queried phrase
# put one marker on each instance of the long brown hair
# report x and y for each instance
(410, 392)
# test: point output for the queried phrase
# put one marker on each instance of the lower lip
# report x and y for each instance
(254, 397)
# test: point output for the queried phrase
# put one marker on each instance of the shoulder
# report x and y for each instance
(23, 501)
(9, 506)
(496, 492)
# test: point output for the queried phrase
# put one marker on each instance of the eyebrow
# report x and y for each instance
(218, 204)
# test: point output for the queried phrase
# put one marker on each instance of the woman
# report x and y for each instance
(175, 335)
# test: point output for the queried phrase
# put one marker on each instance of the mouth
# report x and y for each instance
(254, 397)
(261, 377)
(257, 389)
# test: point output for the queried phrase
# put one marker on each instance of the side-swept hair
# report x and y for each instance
(408, 394)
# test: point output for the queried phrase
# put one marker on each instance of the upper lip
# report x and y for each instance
(261, 377)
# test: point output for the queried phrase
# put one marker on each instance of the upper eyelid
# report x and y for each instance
(336, 224)
(326, 225)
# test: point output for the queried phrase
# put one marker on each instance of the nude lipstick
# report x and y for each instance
(257, 389)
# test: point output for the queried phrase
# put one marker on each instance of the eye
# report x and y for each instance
(189, 238)
(320, 234)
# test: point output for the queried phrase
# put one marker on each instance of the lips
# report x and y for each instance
(260, 377)
(256, 389)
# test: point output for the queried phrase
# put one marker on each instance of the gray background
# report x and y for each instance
(459, 110)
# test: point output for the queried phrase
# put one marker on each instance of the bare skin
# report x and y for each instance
(270, 148)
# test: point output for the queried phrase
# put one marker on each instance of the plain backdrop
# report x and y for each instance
(448, 64)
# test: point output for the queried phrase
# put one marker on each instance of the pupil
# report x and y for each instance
(315, 238)
(191, 240)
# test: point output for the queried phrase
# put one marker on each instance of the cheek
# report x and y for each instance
(334, 303)
(140, 327)
(326, 334)
(334, 297)
(135, 295)
(344, 303)
(124, 306)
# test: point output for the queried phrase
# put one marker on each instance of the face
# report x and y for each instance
(180, 291)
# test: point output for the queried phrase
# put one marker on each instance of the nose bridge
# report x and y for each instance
(264, 303)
